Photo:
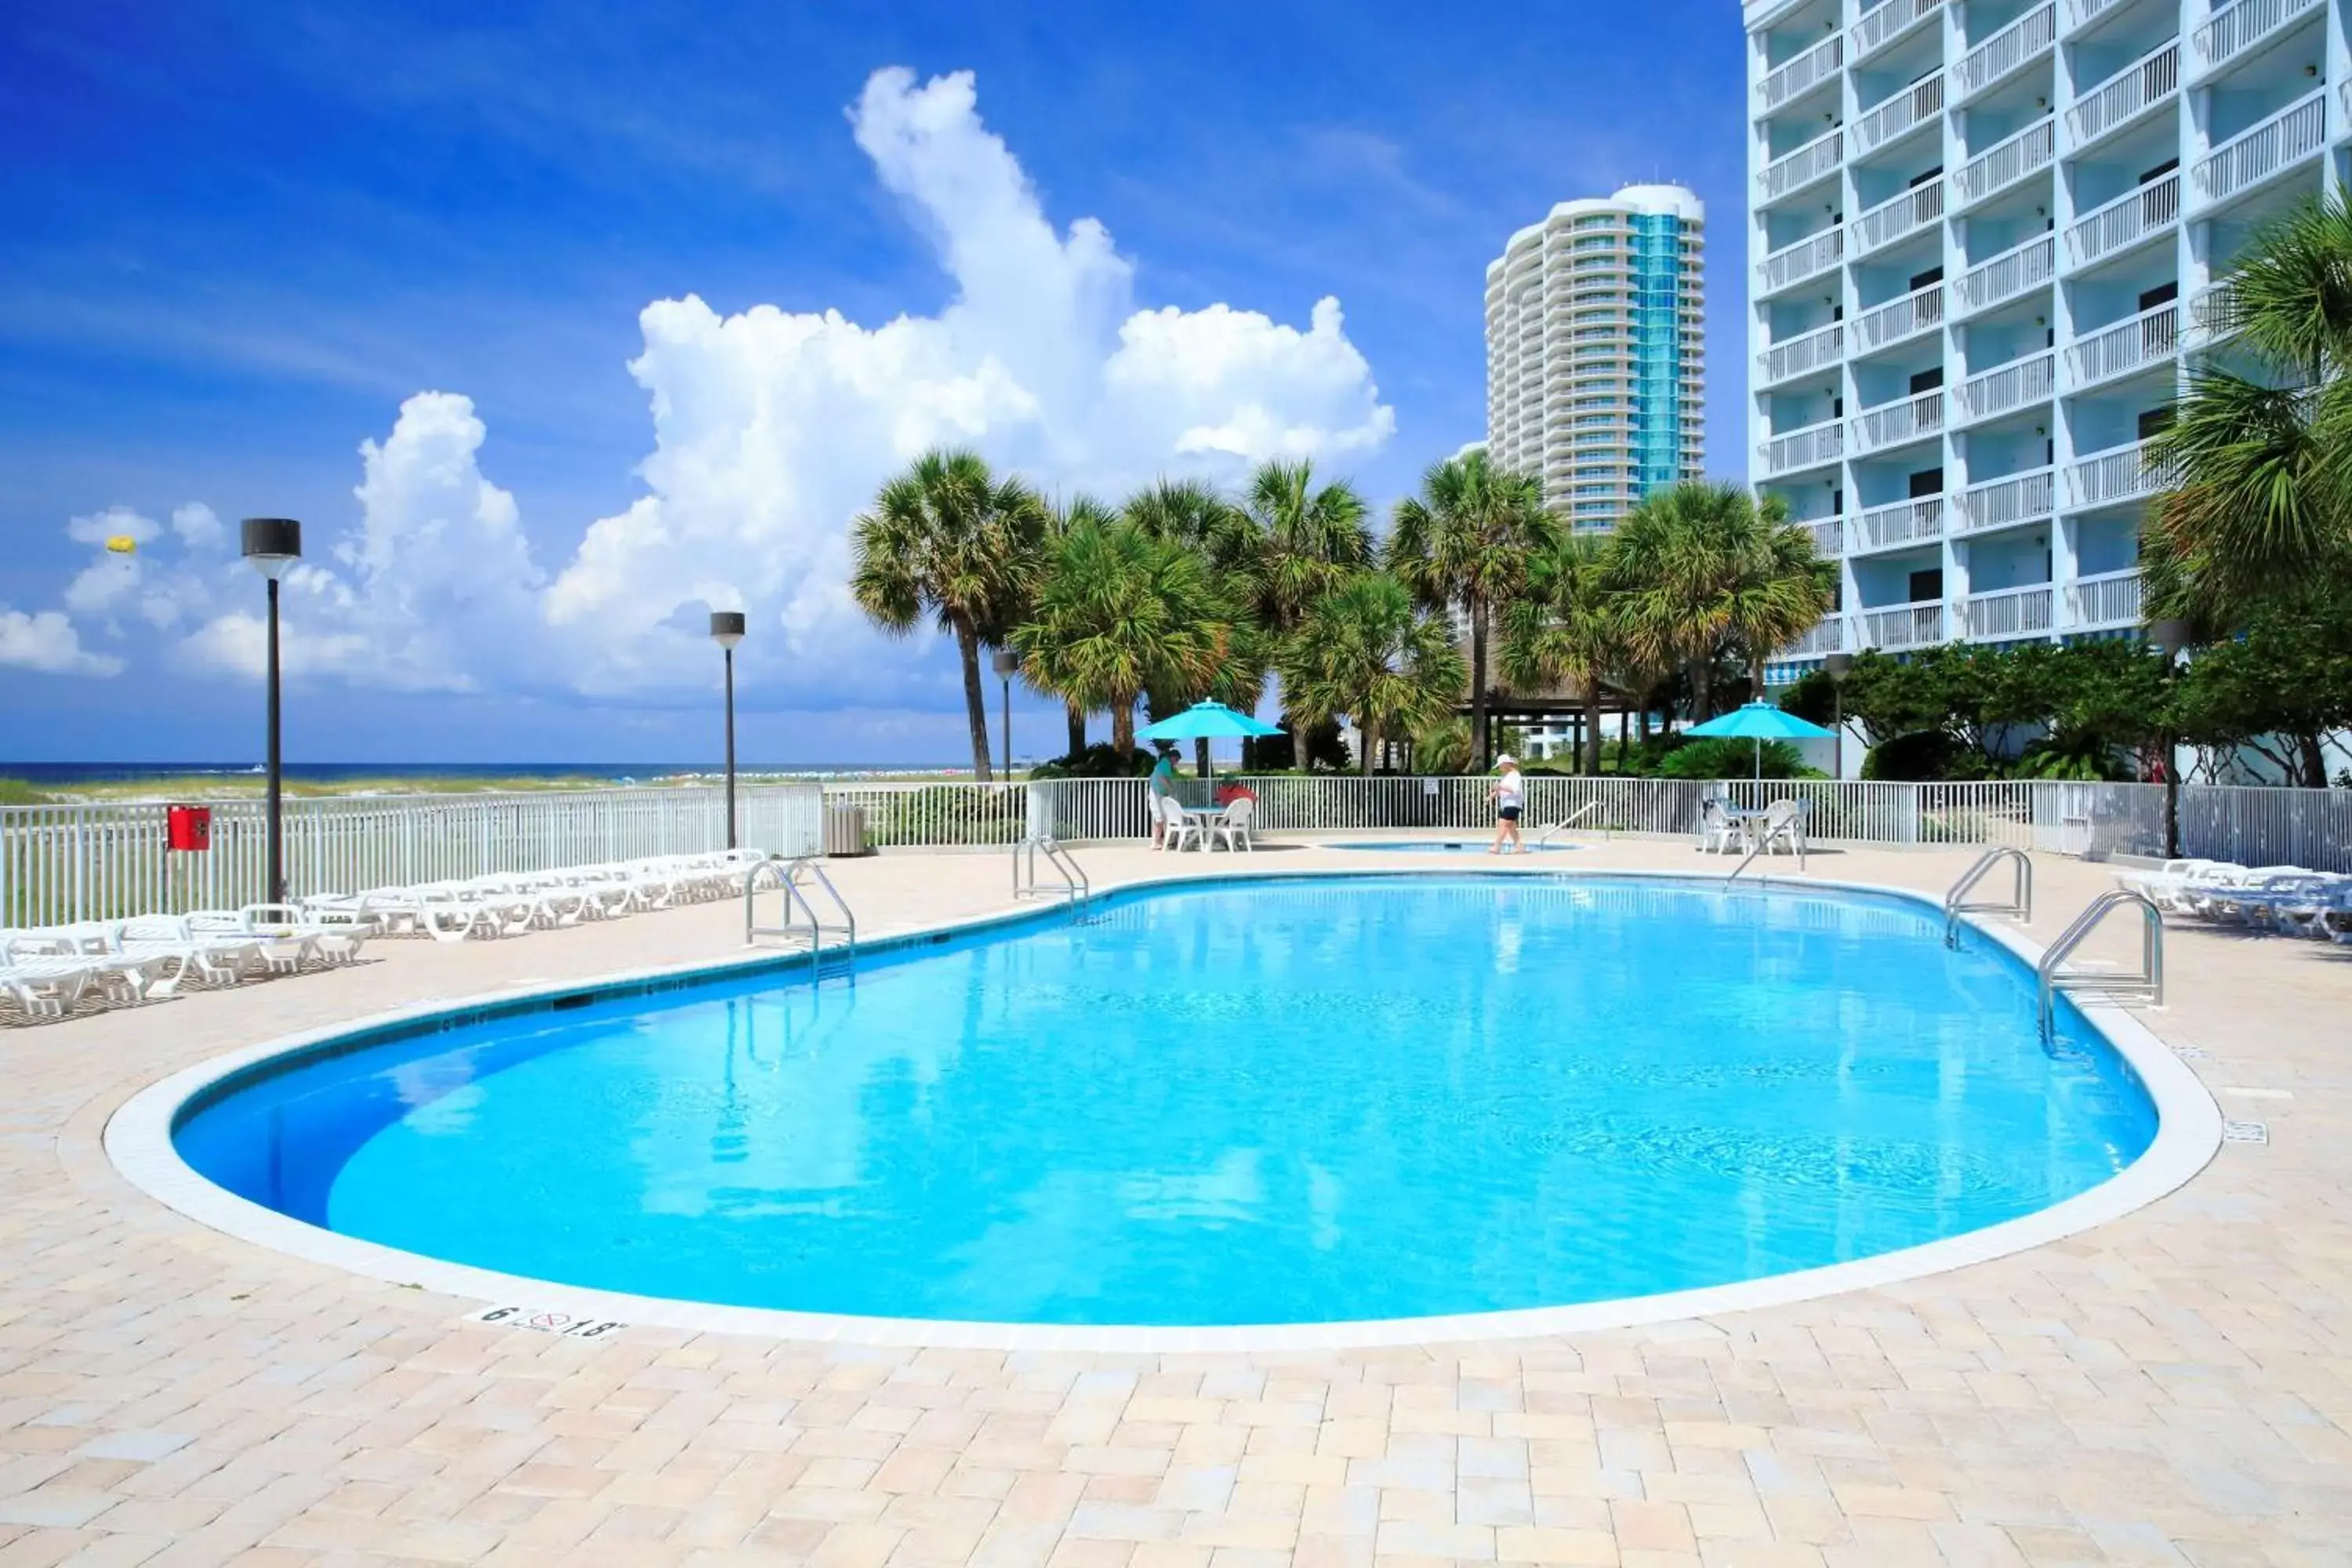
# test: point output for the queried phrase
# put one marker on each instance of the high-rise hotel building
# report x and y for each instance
(1595, 359)
(1983, 235)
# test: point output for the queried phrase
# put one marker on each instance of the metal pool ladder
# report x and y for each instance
(2019, 906)
(1075, 888)
(1581, 812)
(2147, 985)
(785, 877)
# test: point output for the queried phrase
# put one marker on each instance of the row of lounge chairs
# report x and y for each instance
(2289, 900)
(48, 972)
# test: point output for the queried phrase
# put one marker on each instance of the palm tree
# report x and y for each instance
(1568, 628)
(1301, 543)
(1365, 649)
(1193, 515)
(1703, 569)
(950, 539)
(1082, 509)
(1116, 614)
(1464, 541)
(2263, 459)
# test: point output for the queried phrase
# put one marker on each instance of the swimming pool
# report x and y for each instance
(1466, 845)
(1273, 1100)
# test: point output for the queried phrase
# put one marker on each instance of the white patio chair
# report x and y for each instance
(1718, 834)
(1784, 826)
(1176, 827)
(45, 987)
(1234, 827)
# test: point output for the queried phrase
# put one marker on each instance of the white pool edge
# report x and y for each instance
(138, 1140)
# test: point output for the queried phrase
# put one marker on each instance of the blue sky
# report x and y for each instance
(244, 238)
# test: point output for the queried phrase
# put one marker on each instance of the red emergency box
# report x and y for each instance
(189, 827)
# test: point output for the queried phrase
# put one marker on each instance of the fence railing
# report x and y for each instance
(2013, 272)
(2008, 49)
(61, 862)
(80, 862)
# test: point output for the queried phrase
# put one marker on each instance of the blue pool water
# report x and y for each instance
(1449, 847)
(1276, 1101)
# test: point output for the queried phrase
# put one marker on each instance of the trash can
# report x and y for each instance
(844, 830)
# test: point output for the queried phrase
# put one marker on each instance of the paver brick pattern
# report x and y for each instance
(2173, 1387)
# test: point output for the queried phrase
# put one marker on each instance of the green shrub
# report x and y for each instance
(1923, 756)
(1731, 758)
(16, 792)
(1100, 761)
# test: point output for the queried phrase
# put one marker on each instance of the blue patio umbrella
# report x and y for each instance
(1206, 721)
(1761, 722)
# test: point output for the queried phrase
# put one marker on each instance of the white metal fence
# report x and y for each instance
(75, 862)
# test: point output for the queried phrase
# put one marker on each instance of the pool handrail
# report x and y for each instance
(1076, 888)
(785, 877)
(1581, 812)
(2020, 906)
(2148, 985)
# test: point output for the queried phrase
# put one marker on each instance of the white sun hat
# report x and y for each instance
(1506, 761)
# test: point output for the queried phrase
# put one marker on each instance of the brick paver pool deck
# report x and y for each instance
(2175, 1386)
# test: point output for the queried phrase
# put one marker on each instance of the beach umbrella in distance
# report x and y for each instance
(1207, 721)
(1761, 722)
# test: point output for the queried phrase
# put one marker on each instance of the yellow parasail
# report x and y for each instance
(121, 544)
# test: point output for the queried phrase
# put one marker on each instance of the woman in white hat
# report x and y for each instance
(1509, 796)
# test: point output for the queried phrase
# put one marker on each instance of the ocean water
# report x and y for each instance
(68, 773)
(1290, 1101)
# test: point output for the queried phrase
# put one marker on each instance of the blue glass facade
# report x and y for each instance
(1657, 279)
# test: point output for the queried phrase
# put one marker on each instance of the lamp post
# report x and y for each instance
(1839, 666)
(727, 630)
(2169, 637)
(1006, 662)
(273, 544)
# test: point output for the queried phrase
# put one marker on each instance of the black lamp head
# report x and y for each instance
(726, 627)
(271, 544)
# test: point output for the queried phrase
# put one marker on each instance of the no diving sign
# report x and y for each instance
(546, 1321)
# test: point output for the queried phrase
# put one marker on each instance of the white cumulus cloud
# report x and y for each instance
(45, 641)
(771, 428)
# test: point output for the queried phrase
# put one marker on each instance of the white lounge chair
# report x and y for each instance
(1234, 827)
(47, 987)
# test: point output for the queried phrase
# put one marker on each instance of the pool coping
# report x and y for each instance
(137, 1141)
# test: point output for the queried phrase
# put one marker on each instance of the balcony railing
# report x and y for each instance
(1903, 625)
(2146, 339)
(1905, 522)
(2235, 30)
(1810, 257)
(1801, 168)
(1822, 443)
(2008, 275)
(1998, 503)
(2012, 386)
(1795, 76)
(1828, 534)
(2006, 163)
(2118, 473)
(1921, 101)
(1906, 214)
(1798, 355)
(1896, 423)
(1828, 636)
(2006, 50)
(2081, 13)
(2109, 599)
(1890, 21)
(2124, 222)
(1891, 323)
(2128, 94)
(2253, 156)
(2011, 612)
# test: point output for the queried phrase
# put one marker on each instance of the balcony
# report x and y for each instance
(1828, 636)
(1999, 503)
(1805, 448)
(2006, 51)
(2005, 276)
(2123, 223)
(2127, 95)
(1798, 355)
(1815, 161)
(1889, 22)
(2011, 613)
(1809, 258)
(2118, 473)
(1905, 317)
(1903, 524)
(2150, 337)
(2246, 160)
(2014, 385)
(1903, 625)
(2108, 600)
(1828, 534)
(1797, 76)
(2080, 13)
(1888, 221)
(1920, 102)
(2005, 163)
(1893, 423)
(2235, 30)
